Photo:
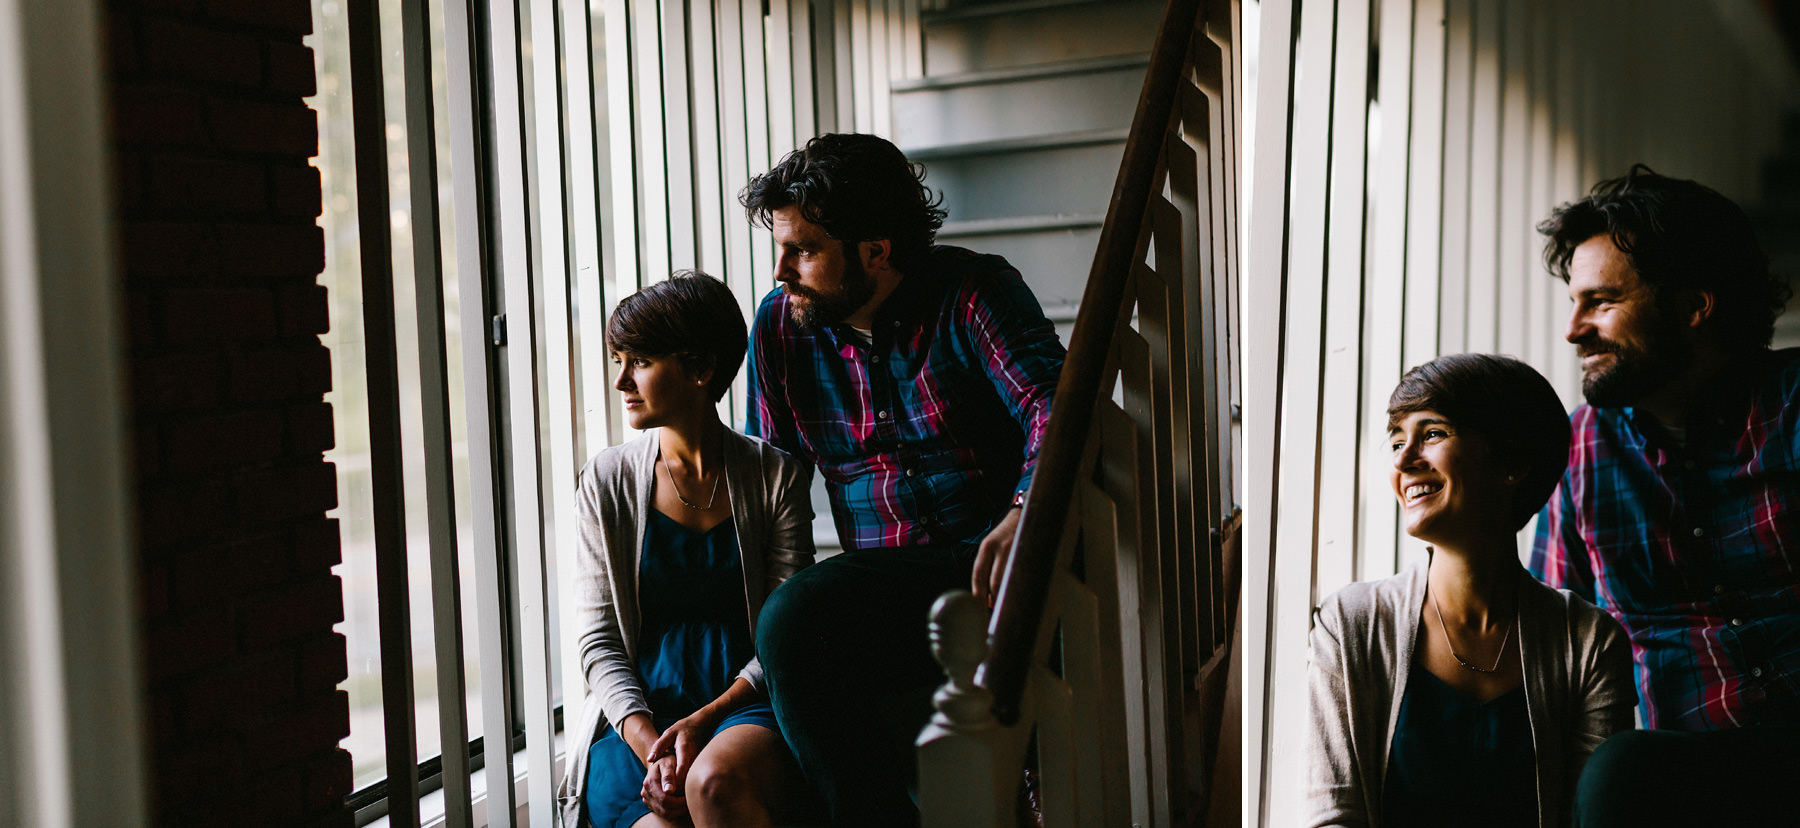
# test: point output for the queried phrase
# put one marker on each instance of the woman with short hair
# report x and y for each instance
(1463, 692)
(682, 533)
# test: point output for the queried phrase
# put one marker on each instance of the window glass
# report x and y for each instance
(349, 395)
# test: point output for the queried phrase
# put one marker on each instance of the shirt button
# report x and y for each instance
(896, 323)
(1737, 622)
(911, 472)
(1689, 465)
(876, 358)
(1699, 532)
(882, 415)
(1756, 672)
(1719, 590)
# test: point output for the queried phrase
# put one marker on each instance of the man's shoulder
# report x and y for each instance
(966, 279)
(959, 263)
(772, 307)
(1781, 372)
(772, 323)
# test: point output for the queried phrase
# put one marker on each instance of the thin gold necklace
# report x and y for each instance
(1454, 654)
(715, 490)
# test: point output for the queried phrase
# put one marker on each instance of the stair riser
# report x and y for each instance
(991, 112)
(1054, 262)
(1045, 36)
(1057, 181)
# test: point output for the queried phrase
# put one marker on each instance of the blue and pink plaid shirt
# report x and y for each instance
(926, 434)
(1694, 548)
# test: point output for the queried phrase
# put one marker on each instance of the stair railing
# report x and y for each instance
(1111, 661)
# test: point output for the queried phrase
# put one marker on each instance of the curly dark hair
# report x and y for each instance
(691, 316)
(858, 188)
(1678, 234)
(1505, 402)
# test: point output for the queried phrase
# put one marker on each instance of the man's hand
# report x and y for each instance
(990, 559)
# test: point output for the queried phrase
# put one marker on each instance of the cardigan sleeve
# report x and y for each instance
(610, 676)
(1334, 788)
(1606, 690)
(789, 548)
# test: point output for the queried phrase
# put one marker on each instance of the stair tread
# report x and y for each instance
(982, 77)
(1021, 224)
(971, 12)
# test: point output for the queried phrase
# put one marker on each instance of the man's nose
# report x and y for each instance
(1580, 327)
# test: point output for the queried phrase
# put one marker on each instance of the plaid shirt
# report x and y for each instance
(929, 432)
(1695, 549)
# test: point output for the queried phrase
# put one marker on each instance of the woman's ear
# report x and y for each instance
(1517, 474)
(700, 370)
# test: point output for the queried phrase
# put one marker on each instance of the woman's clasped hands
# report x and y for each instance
(671, 757)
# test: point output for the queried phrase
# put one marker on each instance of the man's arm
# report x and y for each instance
(1023, 360)
(766, 411)
(1559, 555)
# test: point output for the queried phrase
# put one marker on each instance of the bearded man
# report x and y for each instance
(918, 379)
(1680, 511)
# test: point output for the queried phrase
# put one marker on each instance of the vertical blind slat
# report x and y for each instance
(469, 172)
(530, 600)
(382, 372)
(434, 396)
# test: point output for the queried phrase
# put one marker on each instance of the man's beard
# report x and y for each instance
(1635, 372)
(821, 309)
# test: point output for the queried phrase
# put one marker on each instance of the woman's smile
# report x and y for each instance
(1446, 480)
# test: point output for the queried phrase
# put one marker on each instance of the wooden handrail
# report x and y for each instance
(1019, 610)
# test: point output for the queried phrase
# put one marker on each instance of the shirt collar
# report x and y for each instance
(1724, 399)
(903, 309)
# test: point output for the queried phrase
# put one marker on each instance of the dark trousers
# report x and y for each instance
(1744, 777)
(845, 651)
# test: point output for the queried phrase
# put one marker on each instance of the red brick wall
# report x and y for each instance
(220, 252)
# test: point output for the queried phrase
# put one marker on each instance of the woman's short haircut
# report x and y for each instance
(1506, 403)
(690, 316)
(857, 188)
(1678, 234)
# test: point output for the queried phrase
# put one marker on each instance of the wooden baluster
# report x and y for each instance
(968, 765)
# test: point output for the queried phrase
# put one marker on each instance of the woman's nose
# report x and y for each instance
(623, 383)
(1407, 457)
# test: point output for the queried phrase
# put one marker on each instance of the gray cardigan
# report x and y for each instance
(772, 510)
(1578, 691)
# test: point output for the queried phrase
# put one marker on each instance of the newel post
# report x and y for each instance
(963, 781)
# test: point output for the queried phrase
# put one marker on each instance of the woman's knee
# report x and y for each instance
(714, 785)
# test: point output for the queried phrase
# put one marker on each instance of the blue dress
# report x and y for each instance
(1460, 763)
(695, 640)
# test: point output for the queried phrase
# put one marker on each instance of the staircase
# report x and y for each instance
(1020, 119)
(1108, 667)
